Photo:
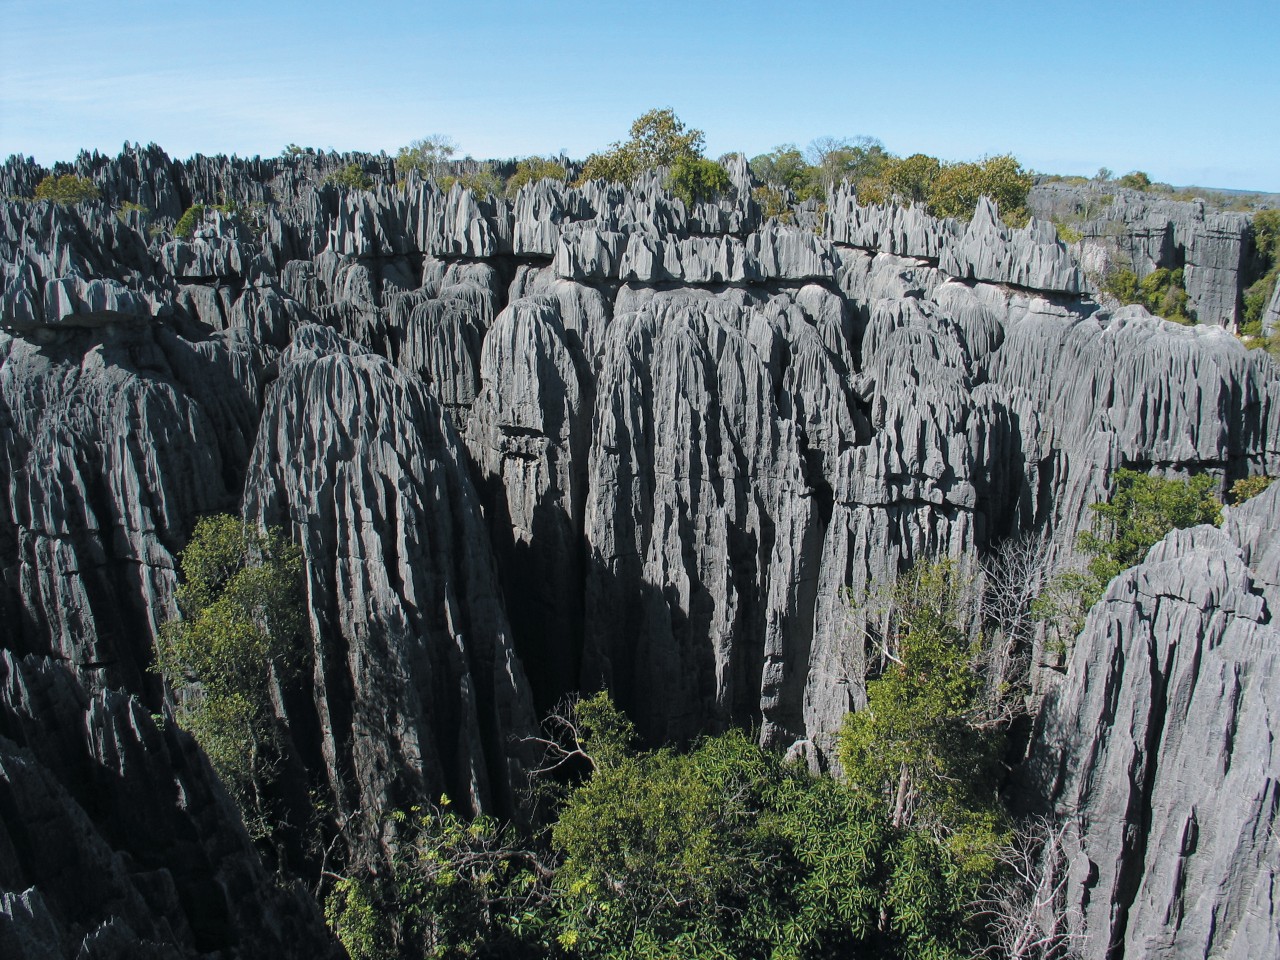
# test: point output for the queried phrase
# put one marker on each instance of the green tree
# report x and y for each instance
(922, 746)
(697, 178)
(1265, 269)
(855, 160)
(719, 851)
(1247, 488)
(727, 851)
(189, 222)
(129, 207)
(1136, 180)
(955, 191)
(428, 156)
(784, 168)
(67, 189)
(1139, 513)
(908, 180)
(1161, 292)
(480, 183)
(534, 169)
(351, 177)
(658, 138)
(238, 633)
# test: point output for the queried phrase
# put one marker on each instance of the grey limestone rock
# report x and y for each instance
(1214, 265)
(585, 311)
(441, 346)
(1144, 232)
(701, 524)
(1031, 257)
(888, 229)
(528, 440)
(1271, 317)
(1158, 753)
(416, 683)
(1172, 395)
(115, 442)
(118, 841)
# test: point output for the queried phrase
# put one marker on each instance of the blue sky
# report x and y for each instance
(1185, 91)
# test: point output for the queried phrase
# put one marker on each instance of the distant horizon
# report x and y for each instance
(1178, 90)
(1116, 175)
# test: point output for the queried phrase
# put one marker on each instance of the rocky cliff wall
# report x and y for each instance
(118, 841)
(589, 436)
(1158, 751)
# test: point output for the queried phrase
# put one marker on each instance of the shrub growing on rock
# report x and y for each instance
(239, 631)
(658, 139)
(67, 189)
(696, 178)
(534, 169)
(352, 177)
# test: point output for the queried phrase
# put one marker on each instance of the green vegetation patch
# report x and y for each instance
(67, 189)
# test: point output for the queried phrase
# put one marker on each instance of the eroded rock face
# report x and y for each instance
(528, 439)
(416, 683)
(115, 441)
(686, 431)
(116, 839)
(1158, 752)
(1127, 229)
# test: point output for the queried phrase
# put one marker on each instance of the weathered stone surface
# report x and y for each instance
(1174, 396)
(1031, 257)
(700, 521)
(687, 434)
(1271, 318)
(1127, 229)
(416, 684)
(585, 311)
(80, 267)
(1158, 751)
(115, 442)
(528, 439)
(117, 840)
(891, 229)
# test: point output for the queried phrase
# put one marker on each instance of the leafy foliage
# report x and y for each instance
(907, 179)
(67, 189)
(920, 746)
(856, 160)
(352, 177)
(1257, 296)
(481, 183)
(353, 912)
(427, 156)
(784, 168)
(1161, 292)
(697, 178)
(721, 851)
(1248, 487)
(658, 139)
(191, 218)
(726, 851)
(958, 186)
(534, 169)
(129, 207)
(951, 189)
(239, 629)
(1136, 180)
(773, 203)
(1139, 514)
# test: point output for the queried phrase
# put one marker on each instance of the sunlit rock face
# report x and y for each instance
(1158, 751)
(586, 437)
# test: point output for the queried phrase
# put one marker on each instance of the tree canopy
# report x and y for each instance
(427, 156)
(239, 628)
(67, 189)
